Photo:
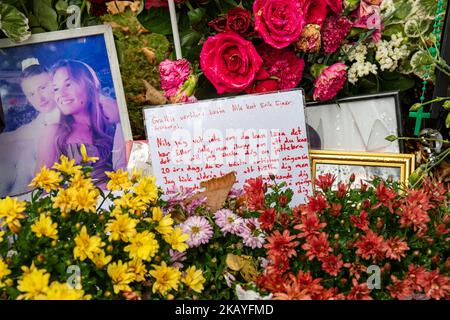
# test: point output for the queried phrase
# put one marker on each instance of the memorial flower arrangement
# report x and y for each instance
(326, 47)
(378, 242)
(71, 241)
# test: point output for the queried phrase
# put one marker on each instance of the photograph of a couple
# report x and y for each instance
(54, 97)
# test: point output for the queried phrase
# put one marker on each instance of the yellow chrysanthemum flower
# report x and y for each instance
(64, 201)
(165, 225)
(44, 227)
(86, 246)
(85, 156)
(121, 276)
(85, 200)
(118, 180)
(33, 283)
(166, 278)
(121, 228)
(142, 246)
(4, 271)
(67, 166)
(138, 268)
(2, 233)
(62, 291)
(135, 175)
(46, 179)
(130, 202)
(79, 181)
(100, 259)
(177, 240)
(146, 189)
(11, 211)
(194, 279)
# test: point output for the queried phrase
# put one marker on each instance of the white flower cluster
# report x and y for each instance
(387, 7)
(389, 53)
(360, 68)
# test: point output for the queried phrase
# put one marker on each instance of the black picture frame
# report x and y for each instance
(442, 84)
(398, 113)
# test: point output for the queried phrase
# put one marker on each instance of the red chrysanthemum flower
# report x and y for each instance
(335, 210)
(279, 265)
(325, 182)
(416, 275)
(281, 244)
(292, 290)
(332, 264)
(272, 282)
(254, 193)
(386, 196)
(413, 216)
(400, 289)
(317, 246)
(418, 198)
(342, 190)
(436, 286)
(310, 225)
(359, 291)
(267, 219)
(370, 246)
(395, 248)
(317, 204)
(360, 222)
(436, 190)
(305, 281)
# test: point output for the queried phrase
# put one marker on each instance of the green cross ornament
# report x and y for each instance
(419, 115)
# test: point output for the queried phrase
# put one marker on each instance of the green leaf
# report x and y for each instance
(196, 15)
(45, 14)
(190, 38)
(393, 29)
(403, 11)
(14, 23)
(392, 80)
(447, 121)
(156, 20)
(415, 107)
(446, 105)
(391, 138)
(61, 7)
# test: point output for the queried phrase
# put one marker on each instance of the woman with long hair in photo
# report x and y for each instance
(77, 93)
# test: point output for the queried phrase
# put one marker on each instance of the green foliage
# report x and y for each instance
(13, 23)
(156, 20)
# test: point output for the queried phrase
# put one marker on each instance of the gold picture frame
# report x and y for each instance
(404, 163)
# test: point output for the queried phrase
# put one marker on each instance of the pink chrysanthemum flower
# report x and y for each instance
(199, 230)
(252, 234)
(229, 222)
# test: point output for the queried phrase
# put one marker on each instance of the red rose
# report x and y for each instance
(278, 22)
(268, 85)
(240, 21)
(219, 24)
(230, 62)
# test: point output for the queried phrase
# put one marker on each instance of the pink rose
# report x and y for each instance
(268, 85)
(278, 22)
(330, 81)
(334, 32)
(230, 62)
(173, 74)
(284, 65)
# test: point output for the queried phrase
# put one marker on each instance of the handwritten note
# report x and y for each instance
(252, 135)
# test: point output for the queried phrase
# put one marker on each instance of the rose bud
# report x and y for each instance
(282, 201)
(436, 259)
(352, 178)
(310, 39)
(380, 223)
(343, 281)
